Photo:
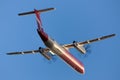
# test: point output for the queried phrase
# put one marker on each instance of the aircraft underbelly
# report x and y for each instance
(66, 56)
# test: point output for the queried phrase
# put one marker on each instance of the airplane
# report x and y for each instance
(54, 48)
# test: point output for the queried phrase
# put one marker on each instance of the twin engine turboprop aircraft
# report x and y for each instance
(53, 47)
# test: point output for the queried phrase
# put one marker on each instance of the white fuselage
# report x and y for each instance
(65, 55)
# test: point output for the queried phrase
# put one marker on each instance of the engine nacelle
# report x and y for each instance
(79, 47)
(44, 53)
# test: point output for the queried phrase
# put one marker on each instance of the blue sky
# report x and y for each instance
(72, 20)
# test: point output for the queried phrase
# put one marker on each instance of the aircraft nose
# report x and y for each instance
(80, 68)
(83, 71)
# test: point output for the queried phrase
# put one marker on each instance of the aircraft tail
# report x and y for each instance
(33, 12)
(40, 30)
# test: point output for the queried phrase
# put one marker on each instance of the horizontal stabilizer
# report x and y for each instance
(32, 12)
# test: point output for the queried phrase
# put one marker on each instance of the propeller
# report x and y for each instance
(88, 50)
(53, 57)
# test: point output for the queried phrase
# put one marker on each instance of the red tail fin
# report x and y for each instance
(38, 19)
(41, 32)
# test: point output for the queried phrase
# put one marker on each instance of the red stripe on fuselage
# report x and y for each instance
(43, 35)
(65, 55)
(73, 62)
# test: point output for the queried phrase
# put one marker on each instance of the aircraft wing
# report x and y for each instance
(27, 52)
(43, 51)
(67, 46)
